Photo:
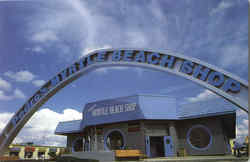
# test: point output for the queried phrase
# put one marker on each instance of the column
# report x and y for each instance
(95, 138)
(173, 134)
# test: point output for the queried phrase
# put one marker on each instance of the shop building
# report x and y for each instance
(31, 151)
(157, 125)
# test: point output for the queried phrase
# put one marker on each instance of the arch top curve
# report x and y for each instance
(213, 78)
(171, 53)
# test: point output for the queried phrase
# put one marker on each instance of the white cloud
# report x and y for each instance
(45, 32)
(242, 128)
(47, 119)
(4, 85)
(4, 118)
(38, 83)
(18, 94)
(21, 76)
(240, 113)
(5, 97)
(245, 122)
(44, 123)
(87, 18)
(44, 36)
(91, 49)
(222, 6)
(36, 49)
(137, 38)
(242, 124)
(241, 132)
(40, 128)
(205, 95)
(84, 28)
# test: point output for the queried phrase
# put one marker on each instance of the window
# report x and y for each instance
(199, 137)
(114, 140)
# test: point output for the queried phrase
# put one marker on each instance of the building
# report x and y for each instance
(154, 124)
(31, 151)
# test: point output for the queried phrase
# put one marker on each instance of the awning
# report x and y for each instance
(15, 149)
(52, 149)
(68, 127)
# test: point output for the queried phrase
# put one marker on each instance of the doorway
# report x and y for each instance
(157, 146)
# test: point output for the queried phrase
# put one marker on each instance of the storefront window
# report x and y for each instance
(115, 140)
(199, 137)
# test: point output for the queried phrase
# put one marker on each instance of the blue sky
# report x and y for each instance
(40, 38)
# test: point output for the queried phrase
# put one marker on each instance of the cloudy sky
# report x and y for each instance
(40, 38)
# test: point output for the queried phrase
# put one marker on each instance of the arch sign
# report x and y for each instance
(220, 82)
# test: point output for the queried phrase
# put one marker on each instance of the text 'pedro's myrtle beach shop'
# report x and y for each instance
(154, 124)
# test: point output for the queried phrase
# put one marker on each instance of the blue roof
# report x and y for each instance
(144, 107)
(204, 108)
(158, 107)
(68, 127)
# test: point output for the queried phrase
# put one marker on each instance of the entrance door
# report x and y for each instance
(156, 146)
(168, 143)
